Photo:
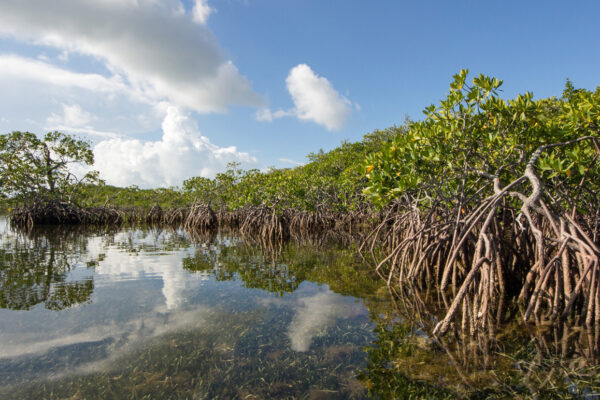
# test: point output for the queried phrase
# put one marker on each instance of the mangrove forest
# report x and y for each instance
(470, 237)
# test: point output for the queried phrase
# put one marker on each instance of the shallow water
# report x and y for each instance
(138, 313)
(154, 313)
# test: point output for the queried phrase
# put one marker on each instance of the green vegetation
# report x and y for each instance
(33, 168)
(330, 180)
(130, 197)
(333, 181)
(453, 156)
(496, 199)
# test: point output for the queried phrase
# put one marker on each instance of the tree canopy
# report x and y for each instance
(33, 167)
(474, 136)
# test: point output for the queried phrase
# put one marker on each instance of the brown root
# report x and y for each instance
(479, 257)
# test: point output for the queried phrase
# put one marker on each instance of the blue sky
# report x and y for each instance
(169, 89)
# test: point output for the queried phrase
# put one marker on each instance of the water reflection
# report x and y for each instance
(511, 360)
(36, 270)
(152, 254)
(168, 318)
(157, 313)
(314, 314)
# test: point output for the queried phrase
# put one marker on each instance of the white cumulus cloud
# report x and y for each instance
(182, 152)
(155, 45)
(314, 98)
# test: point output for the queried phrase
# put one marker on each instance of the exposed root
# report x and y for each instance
(154, 215)
(481, 256)
(175, 217)
(265, 224)
(61, 213)
(201, 217)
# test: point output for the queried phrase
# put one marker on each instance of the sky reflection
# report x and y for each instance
(141, 294)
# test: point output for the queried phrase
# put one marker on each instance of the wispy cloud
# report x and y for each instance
(22, 68)
(158, 49)
(73, 115)
(288, 161)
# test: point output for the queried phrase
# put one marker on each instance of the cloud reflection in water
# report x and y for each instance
(315, 314)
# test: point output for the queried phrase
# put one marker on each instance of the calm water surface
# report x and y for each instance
(138, 313)
(151, 313)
